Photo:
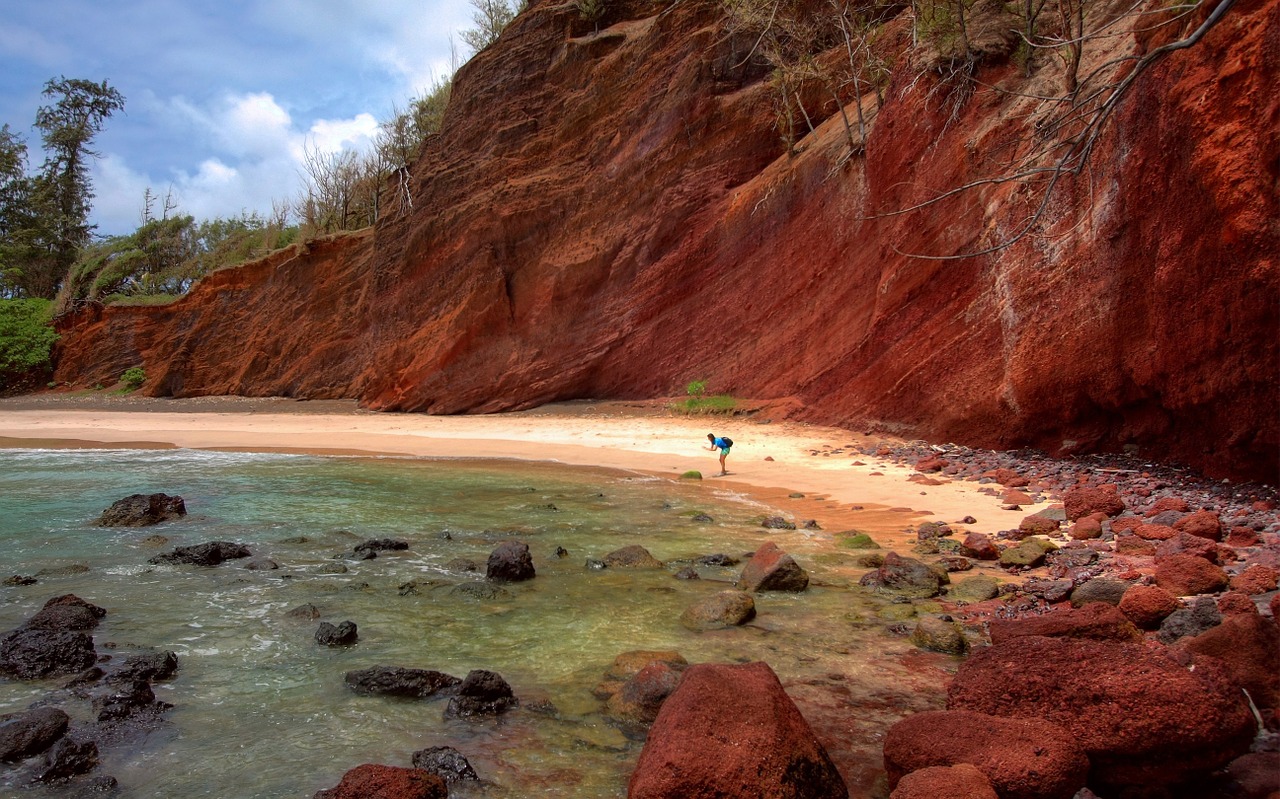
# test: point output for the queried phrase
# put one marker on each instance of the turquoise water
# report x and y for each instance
(262, 711)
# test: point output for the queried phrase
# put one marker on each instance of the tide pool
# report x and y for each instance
(261, 710)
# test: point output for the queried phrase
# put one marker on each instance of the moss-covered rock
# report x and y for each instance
(858, 541)
(978, 588)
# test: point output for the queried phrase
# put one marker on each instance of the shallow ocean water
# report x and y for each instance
(261, 710)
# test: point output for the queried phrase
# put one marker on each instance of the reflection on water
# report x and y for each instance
(261, 710)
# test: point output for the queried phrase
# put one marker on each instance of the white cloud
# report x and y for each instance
(259, 158)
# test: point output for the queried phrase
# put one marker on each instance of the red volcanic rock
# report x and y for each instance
(771, 569)
(961, 781)
(1086, 529)
(1187, 544)
(1256, 579)
(1023, 758)
(551, 254)
(934, 464)
(1037, 525)
(1142, 717)
(1201, 523)
(979, 546)
(1187, 575)
(1129, 544)
(1007, 477)
(1154, 532)
(1249, 646)
(1096, 620)
(1242, 537)
(1147, 605)
(730, 732)
(1126, 523)
(1274, 606)
(372, 781)
(1163, 504)
(1233, 603)
(1085, 500)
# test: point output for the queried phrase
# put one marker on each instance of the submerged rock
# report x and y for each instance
(68, 612)
(376, 545)
(30, 732)
(632, 557)
(446, 763)
(906, 577)
(720, 610)
(375, 781)
(731, 732)
(939, 635)
(640, 698)
(510, 562)
(142, 510)
(482, 693)
(207, 554)
(68, 758)
(399, 681)
(29, 654)
(344, 634)
(771, 569)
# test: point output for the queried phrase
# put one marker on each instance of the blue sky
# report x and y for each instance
(221, 96)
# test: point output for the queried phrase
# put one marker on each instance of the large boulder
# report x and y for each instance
(373, 781)
(67, 758)
(1186, 544)
(399, 681)
(905, 577)
(1188, 575)
(1086, 500)
(642, 696)
(632, 557)
(771, 569)
(939, 635)
(980, 547)
(1200, 614)
(510, 562)
(720, 610)
(731, 732)
(1147, 605)
(30, 732)
(68, 612)
(29, 654)
(1140, 714)
(978, 588)
(482, 693)
(142, 510)
(1023, 758)
(1249, 646)
(1203, 523)
(961, 781)
(1099, 589)
(208, 554)
(1097, 620)
(446, 763)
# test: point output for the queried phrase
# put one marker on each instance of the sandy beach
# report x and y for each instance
(770, 461)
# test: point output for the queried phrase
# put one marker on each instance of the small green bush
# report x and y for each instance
(133, 378)
(26, 334)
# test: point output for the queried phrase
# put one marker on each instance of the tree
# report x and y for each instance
(15, 210)
(490, 17)
(63, 191)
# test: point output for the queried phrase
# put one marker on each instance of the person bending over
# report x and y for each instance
(722, 444)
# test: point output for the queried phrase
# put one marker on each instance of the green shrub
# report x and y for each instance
(721, 404)
(26, 334)
(133, 378)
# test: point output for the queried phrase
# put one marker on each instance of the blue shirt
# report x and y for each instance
(719, 442)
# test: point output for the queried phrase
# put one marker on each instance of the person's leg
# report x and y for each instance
(723, 455)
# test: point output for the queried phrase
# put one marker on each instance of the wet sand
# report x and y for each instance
(770, 461)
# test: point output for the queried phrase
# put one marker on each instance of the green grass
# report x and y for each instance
(719, 404)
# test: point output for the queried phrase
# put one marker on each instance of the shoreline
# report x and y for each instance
(770, 462)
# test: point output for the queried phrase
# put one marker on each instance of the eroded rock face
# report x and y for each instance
(1140, 714)
(699, 205)
(731, 732)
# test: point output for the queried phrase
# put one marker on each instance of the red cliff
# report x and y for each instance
(614, 214)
